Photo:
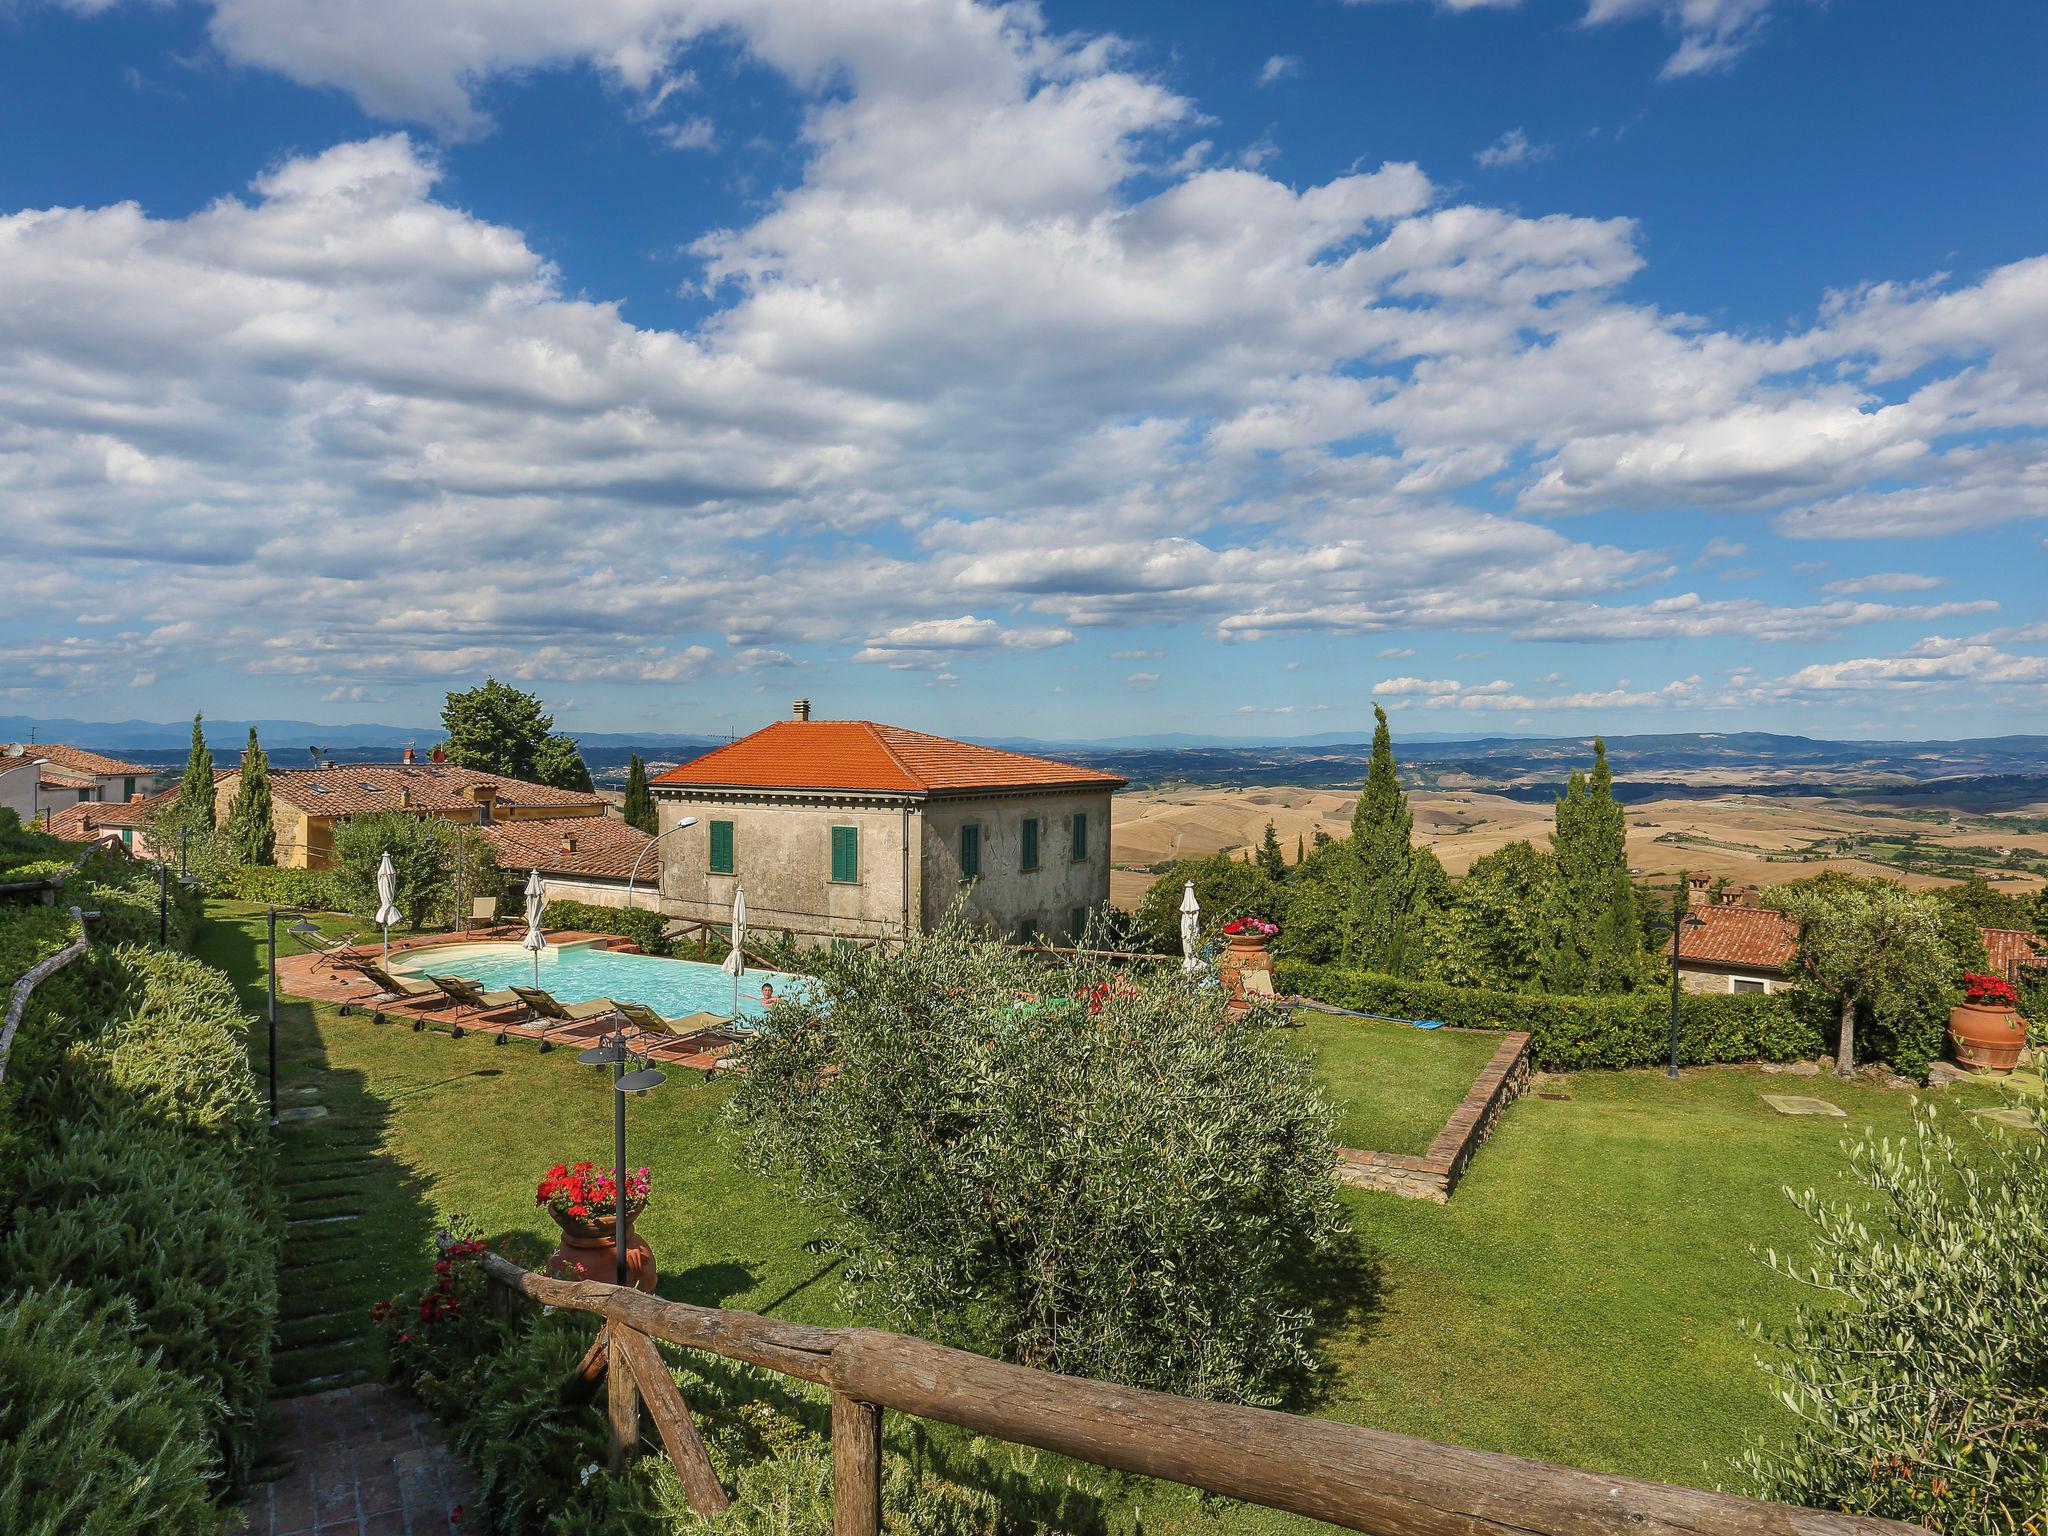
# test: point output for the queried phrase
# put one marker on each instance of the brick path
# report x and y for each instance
(362, 1461)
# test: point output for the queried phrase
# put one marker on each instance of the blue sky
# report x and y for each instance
(1074, 370)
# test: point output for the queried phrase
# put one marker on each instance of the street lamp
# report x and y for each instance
(615, 1054)
(633, 873)
(1680, 919)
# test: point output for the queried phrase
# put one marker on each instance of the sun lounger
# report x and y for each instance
(552, 1011)
(394, 988)
(471, 998)
(333, 953)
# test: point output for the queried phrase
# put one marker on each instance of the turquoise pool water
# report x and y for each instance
(577, 973)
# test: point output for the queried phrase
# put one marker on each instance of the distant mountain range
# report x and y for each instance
(1736, 761)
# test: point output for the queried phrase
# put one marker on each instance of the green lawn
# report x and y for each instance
(1393, 1084)
(1580, 1300)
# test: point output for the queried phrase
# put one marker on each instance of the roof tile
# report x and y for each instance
(862, 756)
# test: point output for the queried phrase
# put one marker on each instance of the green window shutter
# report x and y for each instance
(721, 848)
(1077, 923)
(1031, 842)
(1028, 930)
(1080, 836)
(970, 851)
(846, 855)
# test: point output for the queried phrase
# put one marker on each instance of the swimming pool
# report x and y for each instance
(577, 973)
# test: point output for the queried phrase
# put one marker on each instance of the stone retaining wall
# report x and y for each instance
(1435, 1174)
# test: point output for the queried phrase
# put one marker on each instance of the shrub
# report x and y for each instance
(1917, 1382)
(96, 1439)
(317, 890)
(1569, 1033)
(635, 923)
(1227, 888)
(128, 1209)
(421, 849)
(1121, 1187)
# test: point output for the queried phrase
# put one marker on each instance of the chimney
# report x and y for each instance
(568, 842)
(404, 797)
(800, 710)
(410, 757)
(85, 822)
(484, 794)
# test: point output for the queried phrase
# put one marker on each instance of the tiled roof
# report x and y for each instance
(605, 846)
(2010, 947)
(1745, 936)
(69, 823)
(76, 758)
(354, 788)
(863, 756)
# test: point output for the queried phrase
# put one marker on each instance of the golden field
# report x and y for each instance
(1748, 838)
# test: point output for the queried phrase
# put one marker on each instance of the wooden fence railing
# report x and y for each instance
(1365, 1479)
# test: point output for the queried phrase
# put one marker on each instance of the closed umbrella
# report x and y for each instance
(387, 901)
(736, 962)
(1190, 929)
(535, 940)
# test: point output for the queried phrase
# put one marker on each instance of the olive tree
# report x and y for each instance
(1074, 1168)
(1915, 1375)
(1875, 949)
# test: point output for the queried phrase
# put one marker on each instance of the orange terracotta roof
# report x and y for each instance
(1739, 936)
(76, 758)
(605, 847)
(87, 819)
(862, 756)
(2010, 948)
(354, 788)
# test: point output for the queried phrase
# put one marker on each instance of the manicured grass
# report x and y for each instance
(1393, 1084)
(1581, 1300)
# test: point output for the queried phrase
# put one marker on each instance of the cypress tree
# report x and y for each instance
(639, 807)
(1600, 947)
(251, 838)
(1299, 850)
(1380, 829)
(1271, 859)
(195, 794)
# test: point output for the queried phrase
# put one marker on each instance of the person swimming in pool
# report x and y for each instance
(767, 993)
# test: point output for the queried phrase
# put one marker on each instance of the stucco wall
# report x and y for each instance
(18, 791)
(782, 850)
(600, 893)
(1694, 977)
(1006, 894)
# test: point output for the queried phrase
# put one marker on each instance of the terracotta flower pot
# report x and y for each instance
(586, 1252)
(1991, 1037)
(1242, 952)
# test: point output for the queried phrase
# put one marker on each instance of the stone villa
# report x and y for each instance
(857, 829)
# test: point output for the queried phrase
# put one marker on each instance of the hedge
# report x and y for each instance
(636, 923)
(317, 890)
(1567, 1033)
(96, 1437)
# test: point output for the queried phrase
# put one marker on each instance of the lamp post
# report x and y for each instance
(1680, 919)
(614, 1053)
(270, 1012)
(634, 872)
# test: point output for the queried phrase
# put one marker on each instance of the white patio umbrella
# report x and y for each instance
(1190, 929)
(535, 940)
(736, 962)
(387, 901)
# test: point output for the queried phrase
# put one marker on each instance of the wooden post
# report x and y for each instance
(856, 1467)
(622, 1403)
(589, 1374)
(672, 1421)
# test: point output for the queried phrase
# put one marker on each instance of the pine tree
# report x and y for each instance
(195, 794)
(639, 807)
(1380, 830)
(251, 838)
(1271, 859)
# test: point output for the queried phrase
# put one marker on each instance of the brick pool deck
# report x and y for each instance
(311, 976)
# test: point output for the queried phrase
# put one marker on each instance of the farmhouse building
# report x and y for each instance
(38, 778)
(580, 858)
(306, 803)
(856, 829)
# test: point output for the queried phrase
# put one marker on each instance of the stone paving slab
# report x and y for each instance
(362, 1461)
(1797, 1104)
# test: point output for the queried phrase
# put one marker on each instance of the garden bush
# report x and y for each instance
(642, 927)
(1059, 1164)
(316, 890)
(1568, 1033)
(1916, 1377)
(125, 1208)
(96, 1438)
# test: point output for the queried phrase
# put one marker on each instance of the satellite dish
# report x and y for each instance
(16, 749)
(314, 753)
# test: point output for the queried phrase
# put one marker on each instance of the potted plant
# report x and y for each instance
(1245, 951)
(1986, 1030)
(1248, 935)
(583, 1199)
